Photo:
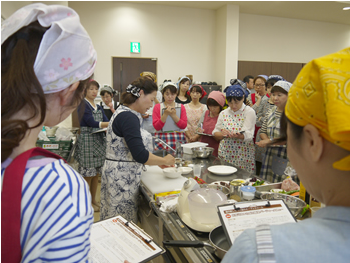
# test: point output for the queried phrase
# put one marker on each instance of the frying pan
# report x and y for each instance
(217, 238)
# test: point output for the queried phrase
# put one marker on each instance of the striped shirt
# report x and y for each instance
(56, 212)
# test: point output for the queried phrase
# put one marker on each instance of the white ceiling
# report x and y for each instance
(326, 11)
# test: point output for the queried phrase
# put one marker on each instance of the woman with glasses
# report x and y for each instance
(255, 98)
(169, 118)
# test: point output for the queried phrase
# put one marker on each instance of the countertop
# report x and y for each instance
(173, 224)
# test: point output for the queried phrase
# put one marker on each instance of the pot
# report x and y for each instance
(202, 152)
(217, 238)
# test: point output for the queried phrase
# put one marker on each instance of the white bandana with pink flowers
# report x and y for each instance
(66, 54)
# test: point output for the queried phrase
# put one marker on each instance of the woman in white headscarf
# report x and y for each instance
(45, 204)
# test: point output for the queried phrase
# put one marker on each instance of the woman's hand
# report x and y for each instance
(169, 160)
(169, 110)
(226, 133)
(263, 143)
(145, 116)
(237, 135)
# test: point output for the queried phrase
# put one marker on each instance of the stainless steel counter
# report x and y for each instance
(168, 226)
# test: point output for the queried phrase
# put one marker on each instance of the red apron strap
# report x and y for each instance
(11, 196)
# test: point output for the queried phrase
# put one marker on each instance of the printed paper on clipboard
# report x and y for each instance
(116, 239)
(237, 217)
(170, 124)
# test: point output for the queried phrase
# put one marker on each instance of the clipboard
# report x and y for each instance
(100, 130)
(170, 124)
(116, 239)
(237, 217)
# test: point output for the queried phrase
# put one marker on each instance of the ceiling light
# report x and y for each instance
(346, 8)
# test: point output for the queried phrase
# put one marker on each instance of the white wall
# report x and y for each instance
(182, 39)
(275, 39)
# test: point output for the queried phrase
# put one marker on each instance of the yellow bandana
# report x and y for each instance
(320, 95)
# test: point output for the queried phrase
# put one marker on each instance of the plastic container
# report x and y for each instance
(203, 204)
(248, 192)
(187, 147)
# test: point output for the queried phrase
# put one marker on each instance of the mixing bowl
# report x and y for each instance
(172, 172)
(294, 204)
(202, 151)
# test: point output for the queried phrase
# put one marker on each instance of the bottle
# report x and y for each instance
(303, 194)
(234, 190)
(44, 130)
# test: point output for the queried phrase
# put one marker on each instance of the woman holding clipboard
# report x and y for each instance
(169, 118)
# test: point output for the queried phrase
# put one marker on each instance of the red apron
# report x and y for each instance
(11, 196)
(208, 127)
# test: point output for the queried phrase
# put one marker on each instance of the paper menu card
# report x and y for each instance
(237, 217)
(116, 239)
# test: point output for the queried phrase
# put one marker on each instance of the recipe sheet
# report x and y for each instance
(238, 217)
(116, 239)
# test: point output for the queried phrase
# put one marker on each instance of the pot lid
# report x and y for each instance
(248, 189)
(207, 196)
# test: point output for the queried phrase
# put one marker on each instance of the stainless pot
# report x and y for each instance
(217, 238)
(202, 152)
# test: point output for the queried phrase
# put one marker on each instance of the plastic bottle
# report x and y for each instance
(44, 130)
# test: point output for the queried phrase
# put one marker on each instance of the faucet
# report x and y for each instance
(156, 139)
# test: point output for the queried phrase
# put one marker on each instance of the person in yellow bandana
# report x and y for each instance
(317, 125)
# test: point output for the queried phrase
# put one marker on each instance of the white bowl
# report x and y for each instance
(185, 170)
(171, 172)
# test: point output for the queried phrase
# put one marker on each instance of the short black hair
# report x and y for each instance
(247, 78)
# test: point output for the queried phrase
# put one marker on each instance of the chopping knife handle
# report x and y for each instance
(184, 243)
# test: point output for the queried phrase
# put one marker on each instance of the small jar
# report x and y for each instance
(248, 192)
(234, 190)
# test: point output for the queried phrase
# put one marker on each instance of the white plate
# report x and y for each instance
(222, 169)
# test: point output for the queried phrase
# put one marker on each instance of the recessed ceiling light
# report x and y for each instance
(346, 8)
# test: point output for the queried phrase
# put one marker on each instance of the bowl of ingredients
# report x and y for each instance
(202, 152)
(172, 172)
(294, 204)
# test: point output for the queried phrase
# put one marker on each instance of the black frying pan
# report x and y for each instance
(217, 239)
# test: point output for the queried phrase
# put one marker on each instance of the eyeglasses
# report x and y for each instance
(259, 85)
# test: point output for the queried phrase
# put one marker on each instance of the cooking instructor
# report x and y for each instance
(129, 149)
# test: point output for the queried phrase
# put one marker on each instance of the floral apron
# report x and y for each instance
(121, 174)
(275, 160)
(91, 148)
(238, 152)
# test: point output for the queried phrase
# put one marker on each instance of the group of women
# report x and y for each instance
(45, 203)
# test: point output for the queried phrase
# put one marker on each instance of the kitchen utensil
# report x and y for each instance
(221, 188)
(294, 204)
(187, 147)
(183, 209)
(203, 204)
(217, 239)
(248, 192)
(171, 172)
(202, 151)
(222, 169)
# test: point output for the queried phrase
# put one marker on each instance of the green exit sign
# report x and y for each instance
(135, 47)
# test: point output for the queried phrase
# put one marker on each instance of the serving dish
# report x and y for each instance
(222, 169)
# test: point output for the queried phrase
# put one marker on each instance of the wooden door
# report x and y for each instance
(126, 70)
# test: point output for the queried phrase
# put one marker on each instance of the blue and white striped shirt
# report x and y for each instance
(56, 213)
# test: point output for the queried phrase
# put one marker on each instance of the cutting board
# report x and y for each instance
(156, 182)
